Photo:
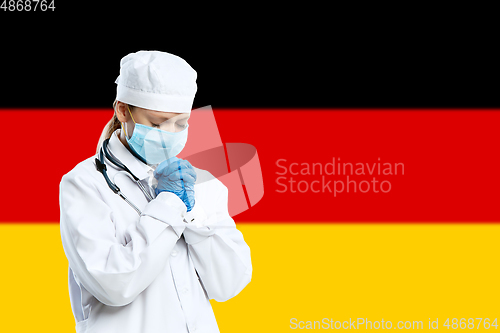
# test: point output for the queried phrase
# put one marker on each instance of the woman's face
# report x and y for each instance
(166, 121)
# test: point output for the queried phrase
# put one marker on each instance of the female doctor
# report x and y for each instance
(148, 237)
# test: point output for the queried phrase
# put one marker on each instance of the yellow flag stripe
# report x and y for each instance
(302, 273)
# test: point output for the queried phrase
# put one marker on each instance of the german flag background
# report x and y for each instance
(377, 140)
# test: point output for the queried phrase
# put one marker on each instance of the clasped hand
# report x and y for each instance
(177, 176)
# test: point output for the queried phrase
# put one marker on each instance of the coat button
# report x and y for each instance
(174, 253)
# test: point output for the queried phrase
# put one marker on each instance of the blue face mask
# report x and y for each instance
(155, 145)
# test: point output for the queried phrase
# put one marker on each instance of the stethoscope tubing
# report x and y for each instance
(101, 167)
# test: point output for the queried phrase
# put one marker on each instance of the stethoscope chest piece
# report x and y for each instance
(101, 167)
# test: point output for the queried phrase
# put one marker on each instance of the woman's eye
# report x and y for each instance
(155, 125)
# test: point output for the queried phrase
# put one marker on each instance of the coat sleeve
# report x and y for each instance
(113, 272)
(219, 252)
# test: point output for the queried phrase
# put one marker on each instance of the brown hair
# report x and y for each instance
(111, 126)
(114, 123)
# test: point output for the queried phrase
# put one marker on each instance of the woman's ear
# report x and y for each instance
(121, 112)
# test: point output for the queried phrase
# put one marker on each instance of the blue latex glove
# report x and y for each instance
(177, 176)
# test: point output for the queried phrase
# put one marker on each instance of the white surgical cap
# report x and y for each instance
(157, 81)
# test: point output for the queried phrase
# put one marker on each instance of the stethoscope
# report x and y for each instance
(101, 167)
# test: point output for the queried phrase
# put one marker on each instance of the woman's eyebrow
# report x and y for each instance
(161, 119)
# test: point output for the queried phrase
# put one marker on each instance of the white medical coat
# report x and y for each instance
(154, 272)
